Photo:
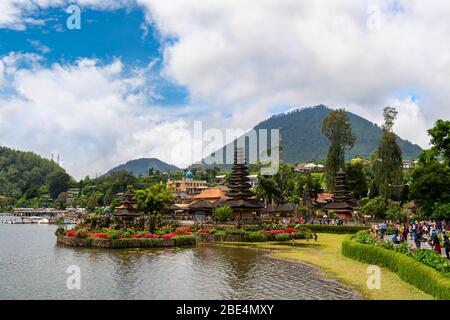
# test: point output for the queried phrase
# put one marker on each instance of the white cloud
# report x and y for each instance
(248, 56)
(238, 60)
(2, 71)
(17, 14)
(95, 116)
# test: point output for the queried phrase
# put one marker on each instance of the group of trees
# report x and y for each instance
(430, 178)
(385, 165)
(28, 180)
(381, 181)
(287, 186)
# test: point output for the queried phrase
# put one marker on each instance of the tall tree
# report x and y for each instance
(388, 167)
(107, 199)
(337, 128)
(440, 139)
(58, 182)
(356, 178)
(92, 202)
(430, 178)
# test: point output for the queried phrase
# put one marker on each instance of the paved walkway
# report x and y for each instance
(424, 245)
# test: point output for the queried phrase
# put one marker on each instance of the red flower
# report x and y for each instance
(167, 236)
(204, 231)
(136, 235)
(99, 235)
(272, 231)
(70, 233)
(290, 230)
(183, 230)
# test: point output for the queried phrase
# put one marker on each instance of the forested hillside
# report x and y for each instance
(24, 176)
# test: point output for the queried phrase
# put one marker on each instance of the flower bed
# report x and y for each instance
(182, 236)
(407, 267)
(249, 235)
(126, 242)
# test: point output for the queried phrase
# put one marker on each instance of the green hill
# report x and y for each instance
(24, 174)
(302, 140)
(142, 166)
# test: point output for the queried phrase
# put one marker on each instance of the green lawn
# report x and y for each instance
(326, 254)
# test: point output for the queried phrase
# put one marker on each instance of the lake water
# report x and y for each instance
(32, 266)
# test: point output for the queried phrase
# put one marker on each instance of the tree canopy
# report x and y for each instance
(337, 128)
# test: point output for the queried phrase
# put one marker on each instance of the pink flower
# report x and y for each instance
(167, 236)
(150, 236)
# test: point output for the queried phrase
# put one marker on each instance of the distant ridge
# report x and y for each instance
(143, 165)
(302, 140)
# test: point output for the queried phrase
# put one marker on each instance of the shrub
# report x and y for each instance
(428, 257)
(251, 228)
(283, 237)
(235, 231)
(59, 231)
(223, 213)
(115, 234)
(408, 269)
(326, 228)
(185, 240)
(82, 233)
(218, 232)
(303, 235)
(432, 259)
(254, 237)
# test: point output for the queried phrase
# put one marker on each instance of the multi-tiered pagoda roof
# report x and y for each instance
(239, 194)
(342, 201)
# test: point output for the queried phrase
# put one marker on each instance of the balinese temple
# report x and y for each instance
(127, 211)
(246, 208)
(342, 203)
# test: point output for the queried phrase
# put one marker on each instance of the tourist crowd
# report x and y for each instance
(435, 233)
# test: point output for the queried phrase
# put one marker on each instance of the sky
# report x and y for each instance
(136, 77)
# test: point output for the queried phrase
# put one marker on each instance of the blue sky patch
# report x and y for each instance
(105, 36)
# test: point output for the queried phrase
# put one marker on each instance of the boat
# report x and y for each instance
(43, 221)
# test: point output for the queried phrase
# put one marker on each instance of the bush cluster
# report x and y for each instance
(414, 272)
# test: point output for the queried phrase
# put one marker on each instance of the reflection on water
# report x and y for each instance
(33, 267)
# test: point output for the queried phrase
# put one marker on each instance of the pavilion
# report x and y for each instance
(127, 211)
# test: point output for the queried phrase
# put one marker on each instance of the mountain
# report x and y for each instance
(24, 174)
(302, 140)
(141, 166)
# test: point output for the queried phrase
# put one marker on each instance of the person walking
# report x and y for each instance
(436, 242)
(447, 245)
(383, 229)
(416, 238)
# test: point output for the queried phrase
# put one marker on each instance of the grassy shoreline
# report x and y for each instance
(326, 255)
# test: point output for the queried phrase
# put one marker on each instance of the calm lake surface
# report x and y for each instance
(32, 266)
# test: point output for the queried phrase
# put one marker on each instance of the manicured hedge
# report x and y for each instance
(185, 240)
(330, 228)
(421, 276)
